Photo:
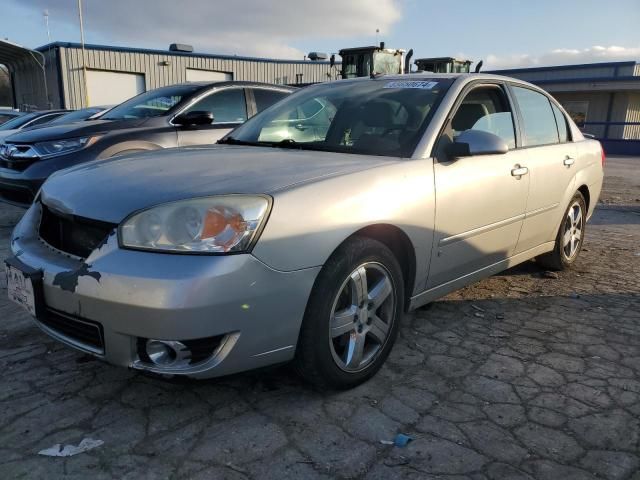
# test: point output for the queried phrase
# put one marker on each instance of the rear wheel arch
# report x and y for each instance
(584, 190)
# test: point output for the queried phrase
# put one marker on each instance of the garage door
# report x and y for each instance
(194, 75)
(111, 88)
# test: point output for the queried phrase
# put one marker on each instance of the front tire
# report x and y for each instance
(569, 238)
(352, 317)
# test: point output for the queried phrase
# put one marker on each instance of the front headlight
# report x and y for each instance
(219, 224)
(59, 147)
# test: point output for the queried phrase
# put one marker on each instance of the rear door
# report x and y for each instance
(551, 162)
(480, 204)
(229, 109)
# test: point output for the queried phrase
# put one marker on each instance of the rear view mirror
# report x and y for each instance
(476, 142)
(196, 117)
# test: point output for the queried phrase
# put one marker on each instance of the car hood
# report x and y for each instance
(73, 130)
(7, 133)
(110, 190)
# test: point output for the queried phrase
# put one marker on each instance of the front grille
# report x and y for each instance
(83, 333)
(22, 196)
(71, 234)
(17, 157)
(17, 166)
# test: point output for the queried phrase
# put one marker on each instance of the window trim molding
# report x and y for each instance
(499, 84)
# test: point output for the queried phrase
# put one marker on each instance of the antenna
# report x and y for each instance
(84, 56)
(377, 32)
(45, 14)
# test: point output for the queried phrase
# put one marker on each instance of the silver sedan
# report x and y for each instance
(309, 231)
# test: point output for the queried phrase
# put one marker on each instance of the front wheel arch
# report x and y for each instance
(396, 240)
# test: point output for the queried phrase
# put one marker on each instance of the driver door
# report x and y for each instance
(229, 109)
(480, 204)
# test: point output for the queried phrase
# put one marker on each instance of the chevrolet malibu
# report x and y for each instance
(308, 232)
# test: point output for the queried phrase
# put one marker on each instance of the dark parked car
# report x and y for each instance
(179, 115)
(7, 114)
(76, 116)
(27, 120)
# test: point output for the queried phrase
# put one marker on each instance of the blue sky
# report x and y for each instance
(503, 33)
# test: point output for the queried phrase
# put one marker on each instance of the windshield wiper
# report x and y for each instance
(235, 141)
(285, 143)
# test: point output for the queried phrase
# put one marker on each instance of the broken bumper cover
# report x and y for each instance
(254, 311)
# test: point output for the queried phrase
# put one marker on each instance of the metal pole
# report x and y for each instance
(43, 66)
(84, 57)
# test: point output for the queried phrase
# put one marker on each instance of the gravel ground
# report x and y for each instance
(524, 375)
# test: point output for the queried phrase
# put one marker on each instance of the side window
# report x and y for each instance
(44, 119)
(266, 98)
(561, 121)
(539, 121)
(227, 106)
(486, 109)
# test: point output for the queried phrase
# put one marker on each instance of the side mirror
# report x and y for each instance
(476, 142)
(196, 117)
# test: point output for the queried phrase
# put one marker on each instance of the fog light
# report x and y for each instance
(167, 353)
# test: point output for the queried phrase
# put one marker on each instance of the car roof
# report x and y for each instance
(44, 112)
(453, 76)
(460, 77)
(226, 83)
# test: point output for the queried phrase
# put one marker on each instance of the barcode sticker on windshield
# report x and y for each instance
(411, 84)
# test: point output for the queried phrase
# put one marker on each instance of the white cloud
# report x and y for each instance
(563, 56)
(244, 27)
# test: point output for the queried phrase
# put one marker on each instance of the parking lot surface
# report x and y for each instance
(525, 375)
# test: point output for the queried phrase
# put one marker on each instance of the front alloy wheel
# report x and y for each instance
(352, 316)
(361, 317)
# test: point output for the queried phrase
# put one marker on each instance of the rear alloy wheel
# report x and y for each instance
(572, 236)
(569, 238)
(352, 316)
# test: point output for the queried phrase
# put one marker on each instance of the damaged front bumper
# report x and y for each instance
(248, 312)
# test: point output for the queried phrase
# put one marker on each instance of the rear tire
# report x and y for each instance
(569, 238)
(352, 317)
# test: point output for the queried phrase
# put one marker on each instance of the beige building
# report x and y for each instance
(114, 74)
(603, 98)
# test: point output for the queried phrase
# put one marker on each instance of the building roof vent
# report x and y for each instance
(317, 56)
(181, 47)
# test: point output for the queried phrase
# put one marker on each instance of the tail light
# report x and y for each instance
(604, 156)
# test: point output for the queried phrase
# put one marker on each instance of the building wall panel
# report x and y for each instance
(157, 74)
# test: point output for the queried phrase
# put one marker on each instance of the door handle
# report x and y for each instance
(569, 161)
(518, 171)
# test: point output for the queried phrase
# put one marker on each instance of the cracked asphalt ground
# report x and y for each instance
(520, 376)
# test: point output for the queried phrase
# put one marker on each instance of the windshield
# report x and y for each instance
(376, 117)
(387, 63)
(18, 121)
(154, 103)
(356, 65)
(76, 116)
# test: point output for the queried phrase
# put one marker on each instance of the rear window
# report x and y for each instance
(18, 121)
(154, 103)
(539, 121)
(266, 98)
